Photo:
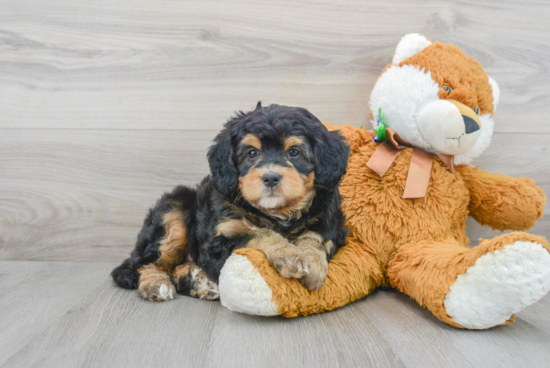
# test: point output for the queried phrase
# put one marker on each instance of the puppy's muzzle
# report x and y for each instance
(271, 179)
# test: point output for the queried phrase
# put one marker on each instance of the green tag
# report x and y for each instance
(380, 128)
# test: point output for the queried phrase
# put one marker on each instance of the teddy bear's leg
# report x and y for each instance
(475, 288)
(249, 284)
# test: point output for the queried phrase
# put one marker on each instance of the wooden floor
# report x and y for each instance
(69, 314)
(106, 104)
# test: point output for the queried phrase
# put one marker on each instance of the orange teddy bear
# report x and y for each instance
(406, 205)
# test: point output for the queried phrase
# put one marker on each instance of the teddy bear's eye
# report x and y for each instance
(447, 89)
(476, 110)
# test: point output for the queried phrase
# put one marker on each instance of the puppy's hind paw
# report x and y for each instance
(157, 291)
(211, 291)
(155, 285)
(194, 281)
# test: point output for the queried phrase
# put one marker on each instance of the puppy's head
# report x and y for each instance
(276, 157)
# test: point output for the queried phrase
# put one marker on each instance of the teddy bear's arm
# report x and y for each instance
(250, 284)
(502, 202)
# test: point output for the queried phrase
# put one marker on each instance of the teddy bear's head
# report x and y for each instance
(436, 98)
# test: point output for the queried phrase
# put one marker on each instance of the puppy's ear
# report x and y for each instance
(331, 158)
(225, 177)
(258, 105)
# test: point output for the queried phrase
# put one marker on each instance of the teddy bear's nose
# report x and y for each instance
(470, 118)
(471, 124)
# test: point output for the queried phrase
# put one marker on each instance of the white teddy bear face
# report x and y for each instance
(411, 104)
(449, 126)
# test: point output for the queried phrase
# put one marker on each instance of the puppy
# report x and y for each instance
(273, 187)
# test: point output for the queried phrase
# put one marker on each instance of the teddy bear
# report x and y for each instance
(406, 196)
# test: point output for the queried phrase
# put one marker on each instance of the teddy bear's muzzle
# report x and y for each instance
(450, 127)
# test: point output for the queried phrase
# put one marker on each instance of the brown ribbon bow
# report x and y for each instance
(419, 169)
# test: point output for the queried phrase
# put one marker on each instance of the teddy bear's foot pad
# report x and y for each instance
(499, 285)
(244, 290)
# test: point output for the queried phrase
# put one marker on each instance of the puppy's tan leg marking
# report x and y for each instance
(155, 284)
(193, 280)
(311, 244)
(173, 245)
(232, 227)
(154, 280)
(287, 259)
(329, 245)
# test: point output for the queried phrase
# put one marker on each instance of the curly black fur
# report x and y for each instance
(218, 196)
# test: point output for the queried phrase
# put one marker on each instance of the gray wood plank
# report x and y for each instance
(420, 340)
(70, 314)
(313, 341)
(538, 314)
(33, 295)
(83, 194)
(112, 327)
(173, 65)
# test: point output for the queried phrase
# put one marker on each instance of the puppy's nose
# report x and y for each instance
(271, 179)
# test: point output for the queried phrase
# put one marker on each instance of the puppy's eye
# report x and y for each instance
(476, 110)
(447, 89)
(294, 152)
(252, 153)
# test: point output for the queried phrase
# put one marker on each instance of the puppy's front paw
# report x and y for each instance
(311, 244)
(290, 262)
(156, 287)
(318, 269)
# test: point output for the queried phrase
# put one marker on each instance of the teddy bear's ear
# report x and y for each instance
(496, 92)
(409, 45)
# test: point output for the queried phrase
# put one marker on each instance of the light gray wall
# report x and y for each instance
(106, 104)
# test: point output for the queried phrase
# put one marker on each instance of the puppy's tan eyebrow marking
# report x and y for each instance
(292, 141)
(252, 141)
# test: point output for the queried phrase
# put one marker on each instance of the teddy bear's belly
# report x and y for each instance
(380, 218)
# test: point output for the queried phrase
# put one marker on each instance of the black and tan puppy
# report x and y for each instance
(273, 187)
